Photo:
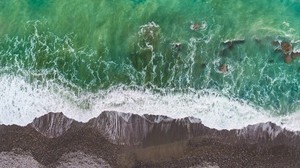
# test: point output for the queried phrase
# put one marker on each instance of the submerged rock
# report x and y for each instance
(228, 45)
(177, 47)
(287, 50)
(288, 58)
(198, 26)
(286, 47)
(223, 68)
(195, 26)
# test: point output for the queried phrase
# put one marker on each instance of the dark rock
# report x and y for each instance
(122, 128)
(195, 26)
(286, 47)
(198, 26)
(260, 132)
(174, 130)
(223, 68)
(157, 118)
(132, 129)
(288, 58)
(177, 47)
(52, 124)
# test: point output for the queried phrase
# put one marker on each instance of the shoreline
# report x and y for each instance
(115, 139)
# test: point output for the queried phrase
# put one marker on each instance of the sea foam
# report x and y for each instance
(21, 102)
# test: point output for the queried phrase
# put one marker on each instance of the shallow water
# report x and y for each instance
(77, 53)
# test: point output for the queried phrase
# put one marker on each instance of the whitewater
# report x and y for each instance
(22, 102)
(228, 64)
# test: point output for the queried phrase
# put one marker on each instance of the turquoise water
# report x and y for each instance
(90, 45)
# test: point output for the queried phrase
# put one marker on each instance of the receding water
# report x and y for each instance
(79, 51)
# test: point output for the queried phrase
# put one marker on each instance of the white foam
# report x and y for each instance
(21, 102)
(214, 110)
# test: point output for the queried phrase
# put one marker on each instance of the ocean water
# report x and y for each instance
(82, 57)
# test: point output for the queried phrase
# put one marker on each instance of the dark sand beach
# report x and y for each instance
(127, 140)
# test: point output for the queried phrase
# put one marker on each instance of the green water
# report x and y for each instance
(91, 45)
